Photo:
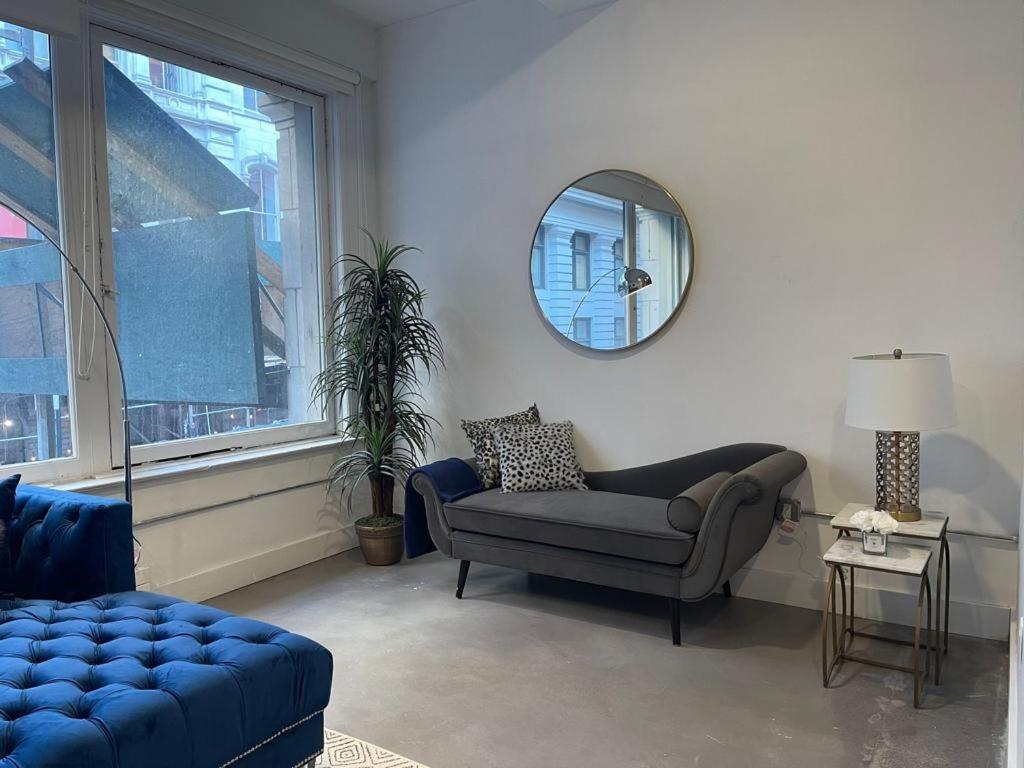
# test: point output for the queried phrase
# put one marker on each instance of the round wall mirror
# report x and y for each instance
(612, 260)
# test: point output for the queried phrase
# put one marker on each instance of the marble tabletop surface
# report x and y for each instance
(899, 558)
(932, 525)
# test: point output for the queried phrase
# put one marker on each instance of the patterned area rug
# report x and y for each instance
(349, 752)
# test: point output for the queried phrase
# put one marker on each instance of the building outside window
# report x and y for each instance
(263, 181)
(166, 76)
(538, 260)
(618, 259)
(250, 98)
(581, 330)
(620, 331)
(580, 261)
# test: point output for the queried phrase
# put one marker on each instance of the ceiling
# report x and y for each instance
(381, 13)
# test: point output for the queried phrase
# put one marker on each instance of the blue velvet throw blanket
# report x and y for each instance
(453, 479)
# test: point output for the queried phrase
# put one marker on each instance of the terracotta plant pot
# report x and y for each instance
(381, 546)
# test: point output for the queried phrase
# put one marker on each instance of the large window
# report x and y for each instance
(216, 247)
(35, 418)
(193, 196)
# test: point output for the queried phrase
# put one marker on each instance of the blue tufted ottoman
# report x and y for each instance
(139, 680)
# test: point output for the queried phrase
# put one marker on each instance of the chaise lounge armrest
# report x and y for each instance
(738, 522)
(771, 474)
(437, 523)
(668, 478)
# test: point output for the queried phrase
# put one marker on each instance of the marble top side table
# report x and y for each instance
(901, 559)
(933, 527)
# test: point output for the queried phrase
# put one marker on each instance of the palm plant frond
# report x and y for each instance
(382, 346)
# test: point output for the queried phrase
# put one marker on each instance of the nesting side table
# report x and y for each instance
(931, 527)
(903, 559)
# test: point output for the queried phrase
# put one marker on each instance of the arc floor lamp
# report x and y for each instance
(98, 306)
(632, 280)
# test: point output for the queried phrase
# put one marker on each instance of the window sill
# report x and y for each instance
(169, 470)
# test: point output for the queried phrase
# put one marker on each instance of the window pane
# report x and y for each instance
(35, 423)
(215, 250)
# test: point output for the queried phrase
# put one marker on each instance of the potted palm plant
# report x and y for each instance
(381, 346)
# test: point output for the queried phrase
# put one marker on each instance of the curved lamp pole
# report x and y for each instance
(633, 281)
(125, 423)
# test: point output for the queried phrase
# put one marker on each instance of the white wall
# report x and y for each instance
(852, 173)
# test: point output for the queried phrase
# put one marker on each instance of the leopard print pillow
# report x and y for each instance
(538, 457)
(481, 436)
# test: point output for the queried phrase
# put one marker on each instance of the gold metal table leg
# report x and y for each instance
(918, 677)
(945, 631)
(929, 632)
(828, 663)
(939, 609)
(853, 610)
(842, 621)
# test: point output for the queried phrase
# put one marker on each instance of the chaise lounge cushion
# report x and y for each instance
(594, 521)
(138, 679)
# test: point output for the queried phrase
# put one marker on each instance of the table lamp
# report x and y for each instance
(899, 396)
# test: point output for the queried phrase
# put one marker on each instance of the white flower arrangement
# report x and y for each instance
(869, 520)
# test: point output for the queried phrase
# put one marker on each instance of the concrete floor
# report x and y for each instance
(532, 672)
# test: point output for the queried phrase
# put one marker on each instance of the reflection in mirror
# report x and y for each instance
(612, 260)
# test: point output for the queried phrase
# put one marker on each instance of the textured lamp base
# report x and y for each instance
(898, 474)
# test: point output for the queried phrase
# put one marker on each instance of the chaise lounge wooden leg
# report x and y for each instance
(675, 621)
(727, 588)
(463, 573)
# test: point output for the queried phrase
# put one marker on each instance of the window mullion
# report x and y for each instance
(88, 345)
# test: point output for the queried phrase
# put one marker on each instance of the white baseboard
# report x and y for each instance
(241, 573)
(142, 582)
(975, 619)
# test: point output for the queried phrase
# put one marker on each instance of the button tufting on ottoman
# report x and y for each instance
(206, 689)
(135, 679)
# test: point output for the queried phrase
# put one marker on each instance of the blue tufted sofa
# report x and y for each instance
(95, 674)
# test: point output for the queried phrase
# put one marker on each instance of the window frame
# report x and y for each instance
(342, 193)
(68, 220)
(104, 34)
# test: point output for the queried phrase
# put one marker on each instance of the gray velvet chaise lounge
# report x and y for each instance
(680, 528)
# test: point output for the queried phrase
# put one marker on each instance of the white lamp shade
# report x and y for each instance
(913, 393)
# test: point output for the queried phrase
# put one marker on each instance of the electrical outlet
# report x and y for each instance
(795, 508)
(788, 513)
